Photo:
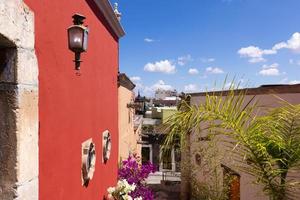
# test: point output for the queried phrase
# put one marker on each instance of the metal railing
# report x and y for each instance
(171, 176)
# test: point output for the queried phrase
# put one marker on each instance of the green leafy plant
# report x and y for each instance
(265, 146)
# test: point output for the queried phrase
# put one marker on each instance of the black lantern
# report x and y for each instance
(78, 38)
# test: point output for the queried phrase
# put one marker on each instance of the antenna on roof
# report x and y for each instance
(117, 13)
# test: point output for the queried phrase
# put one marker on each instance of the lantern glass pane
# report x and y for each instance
(85, 40)
(76, 39)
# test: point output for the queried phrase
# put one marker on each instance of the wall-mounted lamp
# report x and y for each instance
(78, 38)
(133, 105)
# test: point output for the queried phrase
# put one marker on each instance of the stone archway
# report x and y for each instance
(18, 103)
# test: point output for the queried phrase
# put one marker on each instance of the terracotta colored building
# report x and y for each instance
(201, 163)
(129, 123)
(49, 111)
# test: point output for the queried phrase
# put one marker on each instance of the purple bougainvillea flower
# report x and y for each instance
(135, 173)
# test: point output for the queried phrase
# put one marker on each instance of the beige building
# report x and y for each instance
(129, 123)
(161, 94)
(204, 170)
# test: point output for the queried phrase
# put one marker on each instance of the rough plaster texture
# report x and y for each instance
(18, 103)
(127, 136)
(248, 190)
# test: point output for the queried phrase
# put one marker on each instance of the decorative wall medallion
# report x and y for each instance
(88, 161)
(106, 145)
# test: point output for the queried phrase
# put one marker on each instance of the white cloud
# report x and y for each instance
(149, 90)
(274, 65)
(164, 66)
(257, 60)
(269, 51)
(193, 71)
(270, 70)
(280, 45)
(183, 60)
(161, 85)
(293, 44)
(149, 40)
(251, 51)
(255, 54)
(214, 70)
(135, 78)
(207, 60)
(191, 88)
(294, 82)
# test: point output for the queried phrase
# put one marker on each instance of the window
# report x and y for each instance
(167, 161)
(146, 154)
(177, 153)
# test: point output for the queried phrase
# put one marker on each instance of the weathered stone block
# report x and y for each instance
(27, 72)
(16, 23)
(28, 190)
(26, 130)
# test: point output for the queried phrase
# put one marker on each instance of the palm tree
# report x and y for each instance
(267, 147)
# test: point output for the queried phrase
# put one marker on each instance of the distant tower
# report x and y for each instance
(117, 13)
(139, 93)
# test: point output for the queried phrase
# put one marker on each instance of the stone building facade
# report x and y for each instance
(18, 102)
(203, 160)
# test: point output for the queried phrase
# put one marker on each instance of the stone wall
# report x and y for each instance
(213, 158)
(18, 103)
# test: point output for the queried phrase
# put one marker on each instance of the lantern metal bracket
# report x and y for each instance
(78, 19)
(77, 60)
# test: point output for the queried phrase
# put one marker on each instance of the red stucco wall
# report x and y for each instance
(74, 108)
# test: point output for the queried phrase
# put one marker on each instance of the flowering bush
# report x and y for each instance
(121, 191)
(132, 181)
(135, 174)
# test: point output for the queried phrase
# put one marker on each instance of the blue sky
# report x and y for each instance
(188, 45)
